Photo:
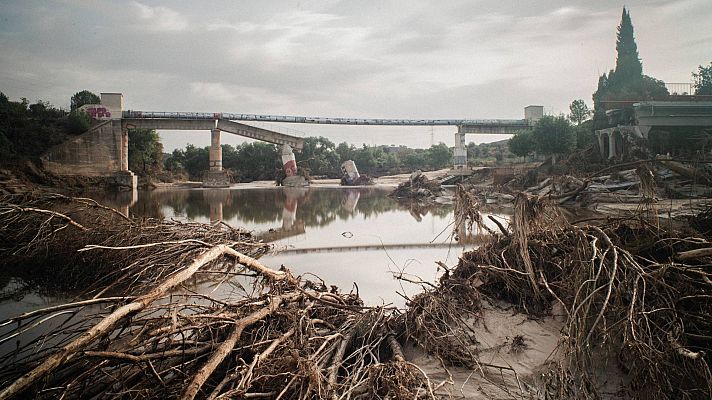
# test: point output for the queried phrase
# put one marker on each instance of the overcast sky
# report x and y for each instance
(351, 58)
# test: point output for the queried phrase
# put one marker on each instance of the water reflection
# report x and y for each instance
(121, 201)
(315, 207)
(343, 235)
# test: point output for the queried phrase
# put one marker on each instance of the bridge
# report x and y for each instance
(104, 148)
(655, 114)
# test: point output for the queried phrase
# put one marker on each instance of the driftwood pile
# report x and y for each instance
(643, 181)
(632, 291)
(362, 180)
(418, 187)
(143, 330)
(639, 181)
(64, 237)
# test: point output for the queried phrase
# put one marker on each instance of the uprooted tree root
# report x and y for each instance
(63, 237)
(284, 338)
(630, 289)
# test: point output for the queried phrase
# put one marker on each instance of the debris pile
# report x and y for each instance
(418, 187)
(644, 181)
(362, 180)
(145, 331)
(632, 292)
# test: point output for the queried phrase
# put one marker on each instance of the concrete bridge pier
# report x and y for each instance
(124, 149)
(460, 154)
(215, 177)
(125, 178)
(215, 150)
(612, 151)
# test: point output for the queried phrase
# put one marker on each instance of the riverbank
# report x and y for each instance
(385, 181)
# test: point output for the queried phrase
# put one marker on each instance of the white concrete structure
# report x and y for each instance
(533, 114)
(215, 151)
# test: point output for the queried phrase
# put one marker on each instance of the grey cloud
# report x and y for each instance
(367, 58)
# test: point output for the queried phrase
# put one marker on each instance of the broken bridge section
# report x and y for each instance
(652, 116)
(103, 149)
(226, 122)
(139, 121)
(215, 176)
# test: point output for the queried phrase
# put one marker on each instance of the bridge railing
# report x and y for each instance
(169, 115)
(680, 88)
(276, 128)
(319, 120)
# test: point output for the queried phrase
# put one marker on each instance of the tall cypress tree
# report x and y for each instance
(628, 66)
(625, 83)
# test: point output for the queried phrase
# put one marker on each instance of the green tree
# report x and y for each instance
(625, 84)
(319, 156)
(391, 162)
(257, 161)
(521, 144)
(345, 151)
(473, 152)
(579, 111)
(628, 65)
(366, 159)
(195, 161)
(553, 136)
(174, 162)
(84, 97)
(584, 134)
(30, 129)
(439, 156)
(78, 122)
(145, 150)
(415, 159)
(703, 80)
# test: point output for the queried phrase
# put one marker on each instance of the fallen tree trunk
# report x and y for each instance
(109, 323)
(694, 254)
(226, 347)
(686, 171)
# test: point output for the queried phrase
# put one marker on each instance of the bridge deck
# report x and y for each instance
(323, 120)
(188, 124)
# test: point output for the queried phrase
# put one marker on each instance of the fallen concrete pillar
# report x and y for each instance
(349, 172)
(288, 161)
(289, 164)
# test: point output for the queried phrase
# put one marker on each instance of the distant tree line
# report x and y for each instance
(27, 130)
(556, 135)
(320, 156)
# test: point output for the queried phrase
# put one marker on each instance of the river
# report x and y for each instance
(353, 238)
